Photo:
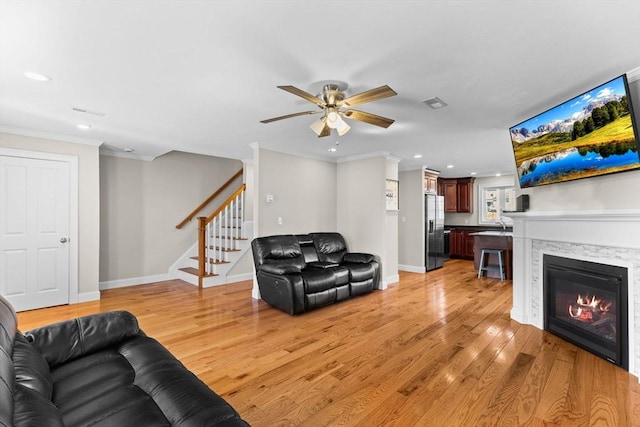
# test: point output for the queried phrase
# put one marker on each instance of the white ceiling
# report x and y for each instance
(198, 76)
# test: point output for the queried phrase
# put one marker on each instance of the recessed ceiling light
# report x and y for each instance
(83, 126)
(37, 76)
(498, 174)
(129, 150)
(449, 166)
(332, 150)
(473, 173)
(417, 156)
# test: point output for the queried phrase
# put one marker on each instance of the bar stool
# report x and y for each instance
(482, 267)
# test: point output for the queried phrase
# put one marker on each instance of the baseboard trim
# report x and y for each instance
(412, 268)
(88, 296)
(239, 277)
(133, 281)
(389, 280)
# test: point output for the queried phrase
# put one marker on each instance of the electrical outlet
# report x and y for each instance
(279, 220)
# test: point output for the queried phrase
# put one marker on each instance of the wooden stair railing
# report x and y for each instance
(223, 225)
(208, 200)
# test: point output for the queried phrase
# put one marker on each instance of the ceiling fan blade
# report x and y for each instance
(288, 116)
(302, 94)
(326, 131)
(369, 96)
(372, 119)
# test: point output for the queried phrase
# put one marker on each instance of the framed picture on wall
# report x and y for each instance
(391, 195)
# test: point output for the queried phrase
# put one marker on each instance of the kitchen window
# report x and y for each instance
(494, 200)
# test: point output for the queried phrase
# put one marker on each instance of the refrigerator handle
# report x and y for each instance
(431, 223)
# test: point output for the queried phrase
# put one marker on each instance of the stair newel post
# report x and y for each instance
(202, 237)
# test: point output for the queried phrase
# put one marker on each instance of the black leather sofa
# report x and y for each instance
(99, 370)
(298, 273)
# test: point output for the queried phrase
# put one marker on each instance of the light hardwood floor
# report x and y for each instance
(436, 349)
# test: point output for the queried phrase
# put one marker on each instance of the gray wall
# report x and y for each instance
(303, 190)
(411, 224)
(362, 216)
(141, 202)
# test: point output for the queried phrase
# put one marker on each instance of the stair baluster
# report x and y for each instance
(218, 233)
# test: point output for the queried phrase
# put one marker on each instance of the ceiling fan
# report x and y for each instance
(334, 105)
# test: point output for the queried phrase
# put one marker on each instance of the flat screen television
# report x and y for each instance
(590, 135)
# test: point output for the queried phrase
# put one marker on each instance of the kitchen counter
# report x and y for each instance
(477, 227)
(494, 233)
(498, 239)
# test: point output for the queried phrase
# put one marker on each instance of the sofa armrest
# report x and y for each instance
(70, 339)
(280, 269)
(285, 292)
(322, 264)
(358, 258)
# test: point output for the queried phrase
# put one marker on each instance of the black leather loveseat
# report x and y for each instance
(99, 370)
(297, 273)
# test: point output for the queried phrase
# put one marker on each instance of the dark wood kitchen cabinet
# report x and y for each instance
(449, 189)
(430, 182)
(465, 194)
(458, 194)
(461, 244)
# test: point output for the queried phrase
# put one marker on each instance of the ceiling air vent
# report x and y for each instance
(85, 111)
(435, 103)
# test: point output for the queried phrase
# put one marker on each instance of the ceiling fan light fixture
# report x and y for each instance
(334, 121)
(317, 126)
(344, 128)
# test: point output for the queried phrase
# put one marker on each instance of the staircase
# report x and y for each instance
(223, 238)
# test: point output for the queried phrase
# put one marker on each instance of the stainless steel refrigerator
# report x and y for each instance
(434, 231)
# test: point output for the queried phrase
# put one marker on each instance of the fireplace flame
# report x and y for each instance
(588, 308)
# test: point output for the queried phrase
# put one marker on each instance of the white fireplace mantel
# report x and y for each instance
(608, 237)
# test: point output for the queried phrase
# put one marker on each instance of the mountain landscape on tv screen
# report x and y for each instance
(563, 126)
(587, 136)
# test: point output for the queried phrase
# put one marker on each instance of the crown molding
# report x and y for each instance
(262, 146)
(50, 135)
(372, 155)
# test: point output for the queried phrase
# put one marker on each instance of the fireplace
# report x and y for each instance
(586, 303)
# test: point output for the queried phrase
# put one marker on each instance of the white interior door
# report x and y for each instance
(34, 231)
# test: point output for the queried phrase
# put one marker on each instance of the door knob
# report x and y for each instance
(63, 240)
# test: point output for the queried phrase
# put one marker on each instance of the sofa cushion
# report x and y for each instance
(8, 329)
(185, 400)
(277, 250)
(359, 288)
(64, 341)
(318, 280)
(320, 299)
(330, 246)
(360, 272)
(31, 370)
(32, 409)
